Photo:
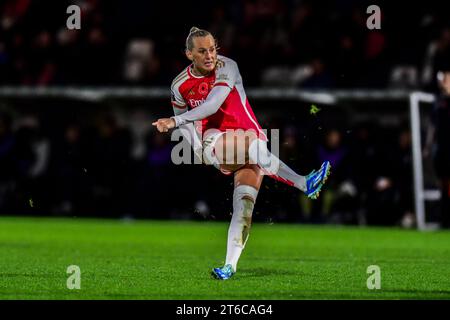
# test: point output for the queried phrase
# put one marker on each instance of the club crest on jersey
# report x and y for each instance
(220, 64)
(203, 88)
(222, 77)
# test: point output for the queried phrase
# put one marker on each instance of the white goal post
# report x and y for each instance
(420, 194)
(327, 97)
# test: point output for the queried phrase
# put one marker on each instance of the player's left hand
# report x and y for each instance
(164, 124)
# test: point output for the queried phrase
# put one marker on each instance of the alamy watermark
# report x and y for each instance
(374, 20)
(374, 280)
(74, 20)
(246, 147)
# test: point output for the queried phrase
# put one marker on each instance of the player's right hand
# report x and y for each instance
(164, 124)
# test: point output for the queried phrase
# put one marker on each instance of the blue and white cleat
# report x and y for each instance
(224, 273)
(316, 179)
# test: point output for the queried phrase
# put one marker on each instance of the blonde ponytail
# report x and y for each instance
(195, 32)
(194, 29)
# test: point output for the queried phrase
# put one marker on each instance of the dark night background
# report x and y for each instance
(72, 157)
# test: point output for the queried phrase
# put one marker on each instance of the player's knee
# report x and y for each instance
(256, 170)
(244, 198)
(245, 192)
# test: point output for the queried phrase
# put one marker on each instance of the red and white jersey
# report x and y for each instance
(189, 91)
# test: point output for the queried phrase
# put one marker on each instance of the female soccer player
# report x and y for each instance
(210, 93)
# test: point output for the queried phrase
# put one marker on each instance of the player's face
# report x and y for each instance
(204, 54)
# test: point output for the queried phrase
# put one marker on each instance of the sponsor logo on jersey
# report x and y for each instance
(195, 103)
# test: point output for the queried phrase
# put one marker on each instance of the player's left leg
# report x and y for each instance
(247, 182)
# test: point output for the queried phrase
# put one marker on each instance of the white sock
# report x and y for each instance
(273, 166)
(244, 198)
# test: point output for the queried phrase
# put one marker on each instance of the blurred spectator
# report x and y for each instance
(336, 204)
(68, 170)
(402, 179)
(442, 134)
(141, 64)
(288, 208)
(362, 155)
(436, 59)
(403, 77)
(375, 61)
(347, 61)
(108, 165)
(31, 161)
(390, 199)
(8, 170)
(320, 78)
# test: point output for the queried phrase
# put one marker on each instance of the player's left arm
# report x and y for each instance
(226, 77)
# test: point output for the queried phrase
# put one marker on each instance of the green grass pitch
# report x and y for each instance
(172, 260)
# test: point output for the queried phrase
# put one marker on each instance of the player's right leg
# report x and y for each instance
(234, 148)
(271, 165)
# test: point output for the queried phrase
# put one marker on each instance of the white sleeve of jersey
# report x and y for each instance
(190, 134)
(176, 98)
(227, 73)
(187, 130)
